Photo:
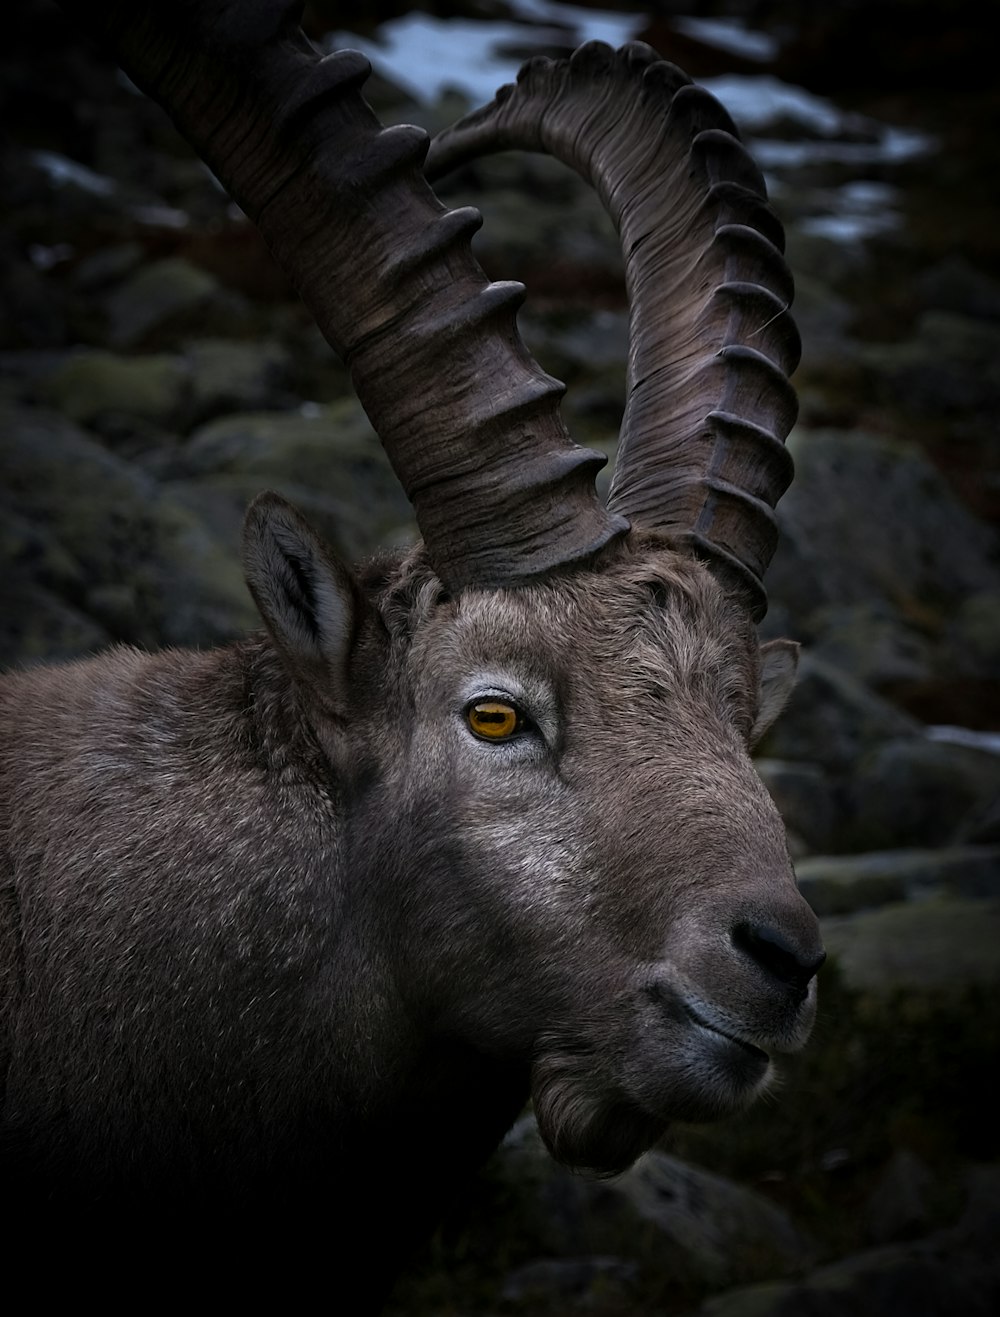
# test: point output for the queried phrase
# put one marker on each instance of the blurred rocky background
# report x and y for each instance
(155, 373)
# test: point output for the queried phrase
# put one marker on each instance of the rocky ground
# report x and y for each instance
(155, 373)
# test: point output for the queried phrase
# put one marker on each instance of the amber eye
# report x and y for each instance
(493, 720)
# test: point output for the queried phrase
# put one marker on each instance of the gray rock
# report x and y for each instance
(136, 562)
(169, 297)
(983, 828)
(723, 1229)
(941, 943)
(226, 376)
(915, 791)
(673, 1218)
(327, 460)
(871, 642)
(949, 366)
(91, 384)
(37, 625)
(833, 719)
(866, 519)
(106, 266)
(974, 636)
(952, 1271)
(899, 1206)
(805, 799)
(563, 228)
(841, 884)
(579, 1282)
(954, 284)
(884, 1282)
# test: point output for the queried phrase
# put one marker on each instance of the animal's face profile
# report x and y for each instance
(478, 823)
(589, 877)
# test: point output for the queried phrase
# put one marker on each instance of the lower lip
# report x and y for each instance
(756, 1053)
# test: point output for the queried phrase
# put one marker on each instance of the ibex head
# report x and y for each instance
(557, 824)
(557, 711)
(534, 832)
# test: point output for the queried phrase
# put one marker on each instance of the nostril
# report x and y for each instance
(776, 953)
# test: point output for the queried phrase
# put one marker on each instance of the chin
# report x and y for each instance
(601, 1119)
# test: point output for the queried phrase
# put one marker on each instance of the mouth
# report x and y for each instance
(752, 1052)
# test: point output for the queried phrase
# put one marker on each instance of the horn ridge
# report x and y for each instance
(709, 290)
(388, 276)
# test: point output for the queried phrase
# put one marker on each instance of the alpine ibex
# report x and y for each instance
(285, 920)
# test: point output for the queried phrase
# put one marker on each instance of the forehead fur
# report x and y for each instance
(652, 616)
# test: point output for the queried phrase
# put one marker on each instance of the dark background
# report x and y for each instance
(155, 373)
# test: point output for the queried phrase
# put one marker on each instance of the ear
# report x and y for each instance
(306, 596)
(779, 662)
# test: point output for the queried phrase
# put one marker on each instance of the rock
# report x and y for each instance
(722, 1229)
(327, 460)
(949, 1271)
(835, 885)
(38, 581)
(983, 828)
(898, 1208)
(974, 636)
(871, 642)
(865, 520)
(542, 224)
(674, 1219)
(106, 266)
(576, 1281)
(949, 366)
(166, 298)
(954, 284)
(36, 625)
(892, 1280)
(832, 719)
(107, 391)
(91, 384)
(914, 791)
(838, 885)
(941, 943)
(144, 569)
(805, 799)
(36, 307)
(980, 1220)
(227, 376)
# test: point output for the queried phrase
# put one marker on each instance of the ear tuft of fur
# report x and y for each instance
(306, 596)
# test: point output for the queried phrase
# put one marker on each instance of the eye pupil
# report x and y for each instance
(493, 719)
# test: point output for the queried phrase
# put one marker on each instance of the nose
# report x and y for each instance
(791, 956)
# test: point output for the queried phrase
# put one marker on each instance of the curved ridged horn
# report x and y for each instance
(469, 421)
(711, 342)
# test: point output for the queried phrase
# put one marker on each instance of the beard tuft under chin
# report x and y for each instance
(586, 1125)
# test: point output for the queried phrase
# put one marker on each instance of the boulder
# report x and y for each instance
(950, 1271)
(841, 884)
(89, 385)
(805, 798)
(865, 520)
(674, 1220)
(113, 543)
(833, 719)
(915, 791)
(166, 298)
(942, 943)
(872, 642)
(326, 459)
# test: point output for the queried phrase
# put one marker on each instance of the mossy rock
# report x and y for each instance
(944, 943)
(145, 569)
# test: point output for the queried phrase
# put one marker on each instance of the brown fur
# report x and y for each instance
(277, 928)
